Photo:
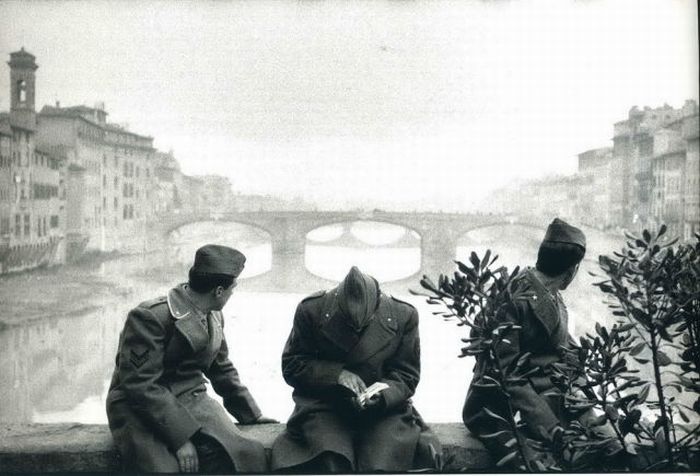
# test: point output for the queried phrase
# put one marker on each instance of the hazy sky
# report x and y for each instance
(418, 104)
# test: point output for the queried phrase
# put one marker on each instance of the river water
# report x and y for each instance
(59, 328)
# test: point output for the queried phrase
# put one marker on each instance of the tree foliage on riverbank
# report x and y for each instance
(640, 377)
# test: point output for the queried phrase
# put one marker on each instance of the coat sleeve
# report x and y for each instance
(140, 363)
(534, 408)
(301, 366)
(402, 370)
(226, 382)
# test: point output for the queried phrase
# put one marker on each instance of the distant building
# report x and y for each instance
(167, 170)
(691, 213)
(217, 193)
(668, 170)
(32, 196)
(554, 196)
(650, 176)
(595, 188)
(633, 149)
(110, 179)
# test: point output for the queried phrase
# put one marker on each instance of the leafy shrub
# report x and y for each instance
(653, 287)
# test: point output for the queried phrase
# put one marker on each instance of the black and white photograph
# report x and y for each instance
(340, 237)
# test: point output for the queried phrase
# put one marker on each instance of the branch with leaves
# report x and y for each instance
(476, 296)
(653, 285)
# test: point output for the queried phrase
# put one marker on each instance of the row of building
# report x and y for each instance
(71, 182)
(648, 177)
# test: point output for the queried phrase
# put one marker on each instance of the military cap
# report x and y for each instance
(561, 232)
(358, 297)
(218, 259)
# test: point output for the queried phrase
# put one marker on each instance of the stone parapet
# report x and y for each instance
(68, 447)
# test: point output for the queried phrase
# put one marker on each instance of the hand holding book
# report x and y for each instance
(372, 391)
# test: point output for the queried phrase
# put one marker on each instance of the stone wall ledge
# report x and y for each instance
(72, 447)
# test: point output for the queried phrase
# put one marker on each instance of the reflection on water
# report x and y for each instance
(387, 252)
(57, 367)
(253, 242)
(385, 264)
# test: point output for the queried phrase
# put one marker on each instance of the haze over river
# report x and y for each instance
(59, 328)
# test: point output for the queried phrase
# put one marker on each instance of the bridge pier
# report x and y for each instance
(438, 249)
(288, 249)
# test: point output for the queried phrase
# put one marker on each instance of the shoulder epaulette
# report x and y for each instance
(153, 302)
(315, 295)
(402, 302)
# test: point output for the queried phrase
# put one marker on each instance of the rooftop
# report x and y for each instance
(87, 113)
(22, 58)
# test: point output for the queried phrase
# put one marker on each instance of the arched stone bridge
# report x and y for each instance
(439, 234)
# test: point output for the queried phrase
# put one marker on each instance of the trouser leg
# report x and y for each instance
(213, 458)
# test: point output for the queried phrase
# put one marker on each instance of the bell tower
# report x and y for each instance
(22, 89)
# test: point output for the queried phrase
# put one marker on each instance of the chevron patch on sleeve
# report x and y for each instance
(138, 359)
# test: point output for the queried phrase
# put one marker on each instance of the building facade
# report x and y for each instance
(70, 181)
(691, 213)
(110, 176)
(650, 176)
(595, 191)
(633, 149)
(32, 193)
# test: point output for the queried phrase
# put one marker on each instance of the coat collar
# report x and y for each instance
(358, 346)
(189, 320)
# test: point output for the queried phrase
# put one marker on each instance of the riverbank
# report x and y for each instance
(57, 291)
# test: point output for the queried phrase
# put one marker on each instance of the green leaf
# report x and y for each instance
(643, 394)
(646, 235)
(662, 230)
(637, 348)
(485, 260)
(506, 459)
(474, 259)
(660, 441)
(510, 443)
(662, 358)
(611, 412)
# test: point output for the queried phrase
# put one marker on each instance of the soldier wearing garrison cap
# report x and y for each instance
(159, 413)
(544, 331)
(342, 342)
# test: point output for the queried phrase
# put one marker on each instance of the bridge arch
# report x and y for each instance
(366, 220)
(394, 257)
(288, 230)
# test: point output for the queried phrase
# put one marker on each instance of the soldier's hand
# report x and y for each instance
(351, 381)
(376, 402)
(187, 458)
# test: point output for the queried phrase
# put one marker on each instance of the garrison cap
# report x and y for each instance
(218, 259)
(358, 297)
(561, 232)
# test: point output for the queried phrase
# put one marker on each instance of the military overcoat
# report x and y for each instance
(320, 345)
(544, 321)
(157, 398)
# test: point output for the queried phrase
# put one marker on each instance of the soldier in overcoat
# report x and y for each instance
(543, 319)
(342, 341)
(159, 413)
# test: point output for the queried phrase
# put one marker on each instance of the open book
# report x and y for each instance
(372, 390)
